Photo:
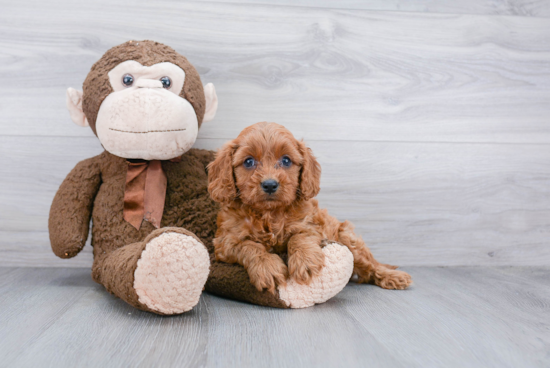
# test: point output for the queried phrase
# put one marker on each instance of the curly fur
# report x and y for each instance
(256, 228)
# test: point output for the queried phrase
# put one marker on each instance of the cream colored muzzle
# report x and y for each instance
(146, 122)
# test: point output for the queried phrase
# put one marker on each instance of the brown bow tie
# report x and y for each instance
(145, 192)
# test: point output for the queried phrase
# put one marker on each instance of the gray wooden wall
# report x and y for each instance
(430, 118)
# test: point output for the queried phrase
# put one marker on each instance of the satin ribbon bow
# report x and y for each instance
(145, 192)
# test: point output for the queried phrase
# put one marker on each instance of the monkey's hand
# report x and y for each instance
(71, 209)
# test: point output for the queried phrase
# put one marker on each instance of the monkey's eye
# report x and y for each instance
(249, 163)
(166, 82)
(286, 161)
(128, 80)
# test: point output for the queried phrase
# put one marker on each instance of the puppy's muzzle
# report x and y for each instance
(270, 186)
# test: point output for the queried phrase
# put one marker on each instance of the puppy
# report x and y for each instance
(265, 180)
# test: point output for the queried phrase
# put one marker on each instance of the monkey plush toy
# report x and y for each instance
(146, 195)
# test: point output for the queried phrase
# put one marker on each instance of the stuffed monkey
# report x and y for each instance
(146, 195)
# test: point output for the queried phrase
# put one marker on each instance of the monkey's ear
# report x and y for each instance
(211, 102)
(74, 104)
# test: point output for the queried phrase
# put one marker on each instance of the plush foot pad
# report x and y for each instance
(171, 273)
(333, 278)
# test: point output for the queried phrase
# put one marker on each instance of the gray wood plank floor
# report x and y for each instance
(451, 317)
(430, 119)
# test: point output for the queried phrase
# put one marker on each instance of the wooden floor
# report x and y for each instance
(430, 120)
(451, 317)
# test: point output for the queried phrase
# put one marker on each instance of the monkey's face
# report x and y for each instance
(145, 117)
(144, 101)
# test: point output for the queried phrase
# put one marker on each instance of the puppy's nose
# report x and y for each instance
(270, 186)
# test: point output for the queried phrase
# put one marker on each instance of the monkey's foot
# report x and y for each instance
(333, 278)
(171, 273)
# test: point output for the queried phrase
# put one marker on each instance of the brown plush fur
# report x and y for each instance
(94, 190)
(97, 86)
(254, 226)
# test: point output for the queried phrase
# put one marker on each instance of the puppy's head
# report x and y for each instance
(265, 167)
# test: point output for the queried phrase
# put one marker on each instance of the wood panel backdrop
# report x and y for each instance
(430, 120)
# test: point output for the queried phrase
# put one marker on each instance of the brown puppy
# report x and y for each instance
(265, 180)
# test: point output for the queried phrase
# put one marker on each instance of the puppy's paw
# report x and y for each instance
(306, 264)
(392, 279)
(267, 272)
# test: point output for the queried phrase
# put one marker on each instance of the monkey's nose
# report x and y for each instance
(148, 83)
(270, 186)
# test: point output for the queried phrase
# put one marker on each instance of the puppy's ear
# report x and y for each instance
(310, 175)
(221, 183)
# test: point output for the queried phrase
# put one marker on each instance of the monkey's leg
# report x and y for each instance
(232, 281)
(164, 274)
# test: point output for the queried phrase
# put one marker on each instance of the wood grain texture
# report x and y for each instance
(452, 317)
(432, 129)
(477, 317)
(539, 8)
(414, 203)
(328, 74)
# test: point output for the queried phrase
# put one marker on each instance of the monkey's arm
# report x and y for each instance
(71, 209)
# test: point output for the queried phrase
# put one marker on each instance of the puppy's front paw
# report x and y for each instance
(305, 264)
(267, 272)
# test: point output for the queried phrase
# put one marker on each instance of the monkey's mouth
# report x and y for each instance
(147, 131)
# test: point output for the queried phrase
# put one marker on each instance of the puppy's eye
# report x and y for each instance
(249, 163)
(128, 80)
(166, 82)
(286, 161)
